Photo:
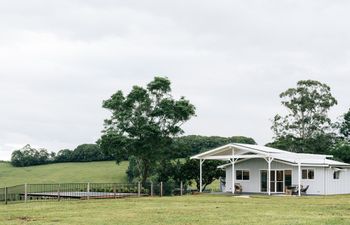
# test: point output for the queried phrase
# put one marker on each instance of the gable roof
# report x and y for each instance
(247, 151)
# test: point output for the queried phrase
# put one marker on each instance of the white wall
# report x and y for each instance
(254, 166)
(323, 182)
(337, 186)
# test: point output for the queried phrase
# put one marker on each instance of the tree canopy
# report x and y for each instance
(144, 123)
(345, 125)
(306, 127)
(28, 156)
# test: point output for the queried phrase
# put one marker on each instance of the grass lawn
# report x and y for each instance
(200, 209)
(106, 172)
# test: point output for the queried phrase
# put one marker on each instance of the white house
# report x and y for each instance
(260, 169)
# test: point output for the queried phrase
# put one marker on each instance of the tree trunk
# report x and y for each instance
(145, 171)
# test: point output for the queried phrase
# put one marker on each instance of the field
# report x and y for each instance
(107, 172)
(185, 210)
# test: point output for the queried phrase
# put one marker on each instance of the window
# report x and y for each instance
(336, 175)
(307, 174)
(242, 175)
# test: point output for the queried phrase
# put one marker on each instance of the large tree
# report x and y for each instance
(307, 122)
(144, 123)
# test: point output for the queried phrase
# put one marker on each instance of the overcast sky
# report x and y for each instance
(60, 59)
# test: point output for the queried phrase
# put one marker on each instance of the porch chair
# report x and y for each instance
(238, 188)
(303, 190)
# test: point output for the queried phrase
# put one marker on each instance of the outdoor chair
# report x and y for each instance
(303, 190)
(238, 188)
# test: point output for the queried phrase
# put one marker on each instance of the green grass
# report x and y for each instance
(186, 210)
(106, 172)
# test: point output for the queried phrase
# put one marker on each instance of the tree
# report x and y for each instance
(307, 120)
(345, 126)
(29, 156)
(144, 123)
(64, 155)
(341, 151)
(87, 153)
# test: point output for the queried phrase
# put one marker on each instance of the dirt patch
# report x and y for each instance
(25, 218)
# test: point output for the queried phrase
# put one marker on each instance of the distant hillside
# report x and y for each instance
(63, 173)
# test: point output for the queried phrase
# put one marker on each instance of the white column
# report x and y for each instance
(299, 178)
(200, 175)
(233, 176)
(25, 193)
(269, 176)
(233, 171)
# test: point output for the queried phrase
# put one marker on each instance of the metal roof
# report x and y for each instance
(247, 151)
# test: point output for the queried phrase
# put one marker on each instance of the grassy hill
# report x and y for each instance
(107, 172)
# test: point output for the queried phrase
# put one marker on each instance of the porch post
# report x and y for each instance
(299, 178)
(233, 172)
(269, 176)
(200, 175)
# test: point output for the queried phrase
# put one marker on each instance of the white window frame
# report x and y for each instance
(307, 174)
(242, 170)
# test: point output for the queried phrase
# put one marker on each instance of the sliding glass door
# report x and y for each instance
(279, 180)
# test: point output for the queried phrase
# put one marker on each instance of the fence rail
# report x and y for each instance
(75, 191)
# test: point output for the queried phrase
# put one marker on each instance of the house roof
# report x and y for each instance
(238, 151)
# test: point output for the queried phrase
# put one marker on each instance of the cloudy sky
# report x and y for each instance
(60, 59)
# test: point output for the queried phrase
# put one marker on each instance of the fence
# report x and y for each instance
(75, 191)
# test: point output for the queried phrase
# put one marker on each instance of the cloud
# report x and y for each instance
(60, 60)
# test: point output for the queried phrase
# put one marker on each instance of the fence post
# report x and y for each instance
(114, 191)
(25, 192)
(151, 189)
(161, 188)
(59, 192)
(88, 191)
(5, 195)
(138, 189)
(181, 187)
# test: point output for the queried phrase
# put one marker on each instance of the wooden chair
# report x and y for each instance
(238, 188)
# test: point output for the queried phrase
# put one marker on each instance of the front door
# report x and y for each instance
(279, 178)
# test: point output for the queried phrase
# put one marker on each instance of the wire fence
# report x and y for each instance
(85, 191)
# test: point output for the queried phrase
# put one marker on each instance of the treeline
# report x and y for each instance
(29, 156)
(182, 147)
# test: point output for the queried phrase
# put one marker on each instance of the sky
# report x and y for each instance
(60, 59)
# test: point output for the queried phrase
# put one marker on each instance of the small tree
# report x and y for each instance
(144, 123)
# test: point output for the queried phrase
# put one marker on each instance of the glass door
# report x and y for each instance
(287, 178)
(277, 182)
(273, 180)
(263, 180)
